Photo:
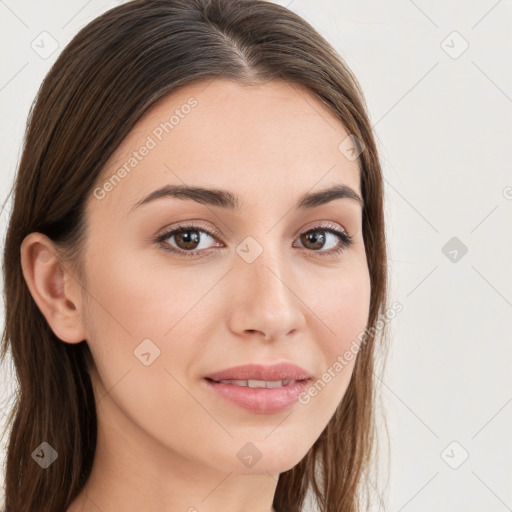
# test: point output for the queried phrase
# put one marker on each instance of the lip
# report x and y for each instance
(260, 400)
(279, 371)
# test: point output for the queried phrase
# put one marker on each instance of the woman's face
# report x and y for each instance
(244, 285)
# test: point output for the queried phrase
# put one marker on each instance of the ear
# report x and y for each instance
(55, 291)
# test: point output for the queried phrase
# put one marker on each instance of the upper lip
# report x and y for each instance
(274, 372)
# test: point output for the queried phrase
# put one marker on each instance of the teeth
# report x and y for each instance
(256, 383)
(252, 383)
(276, 383)
(235, 382)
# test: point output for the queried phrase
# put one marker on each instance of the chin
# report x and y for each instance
(261, 458)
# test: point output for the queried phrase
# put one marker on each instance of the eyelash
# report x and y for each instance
(345, 239)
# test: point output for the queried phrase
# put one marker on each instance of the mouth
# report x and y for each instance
(259, 388)
(254, 383)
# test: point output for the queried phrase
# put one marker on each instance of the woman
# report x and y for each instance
(195, 269)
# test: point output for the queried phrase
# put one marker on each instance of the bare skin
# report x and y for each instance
(165, 441)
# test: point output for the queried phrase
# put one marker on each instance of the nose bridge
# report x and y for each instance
(263, 263)
(267, 274)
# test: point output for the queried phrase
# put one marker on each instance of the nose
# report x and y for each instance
(267, 302)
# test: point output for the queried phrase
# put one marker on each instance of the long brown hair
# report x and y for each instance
(107, 77)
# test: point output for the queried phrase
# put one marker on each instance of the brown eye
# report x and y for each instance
(313, 240)
(316, 239)
(188, 239)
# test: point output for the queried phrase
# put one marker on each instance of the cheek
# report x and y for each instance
(342, 301)
(341, 316)
(145, 331)
(137, 299)
(351, 304)
(148, 327)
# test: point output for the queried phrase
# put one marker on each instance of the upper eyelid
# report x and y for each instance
(192, 225)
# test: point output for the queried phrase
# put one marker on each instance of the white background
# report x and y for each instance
(444, 127)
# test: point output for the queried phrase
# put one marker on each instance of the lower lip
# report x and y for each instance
(259, 400)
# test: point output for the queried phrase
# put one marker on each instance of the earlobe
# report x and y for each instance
(52, 287)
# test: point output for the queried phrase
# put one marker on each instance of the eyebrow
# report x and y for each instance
(226, 199)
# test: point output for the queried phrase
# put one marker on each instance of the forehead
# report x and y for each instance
(273, 137)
